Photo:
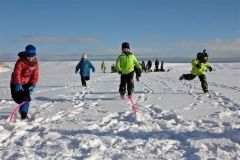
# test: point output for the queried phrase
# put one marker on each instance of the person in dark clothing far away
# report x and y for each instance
(156, 65)
(149, 65)
(143, 66)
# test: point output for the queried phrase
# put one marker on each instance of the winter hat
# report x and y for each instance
(84, 55)
(125, 45)
(199, 55)
(30, 51)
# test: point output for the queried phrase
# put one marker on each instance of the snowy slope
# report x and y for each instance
(175, 120)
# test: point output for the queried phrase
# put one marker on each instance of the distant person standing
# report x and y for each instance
(24, 79)
(149, 65)
(199, 66)
(162, 69)
(103, 67)
(143, 66)
(156, 65)
(125, 64)
(84, 66)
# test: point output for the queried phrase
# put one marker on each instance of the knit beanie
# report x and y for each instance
(125, 45)
(30, 51)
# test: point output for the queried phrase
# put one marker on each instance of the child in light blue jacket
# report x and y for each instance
(84, 66)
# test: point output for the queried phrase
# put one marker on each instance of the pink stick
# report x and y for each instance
(15, 110)
(132, 105)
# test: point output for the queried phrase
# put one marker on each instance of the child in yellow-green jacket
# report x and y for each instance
(103, 67)
(125, 66)
(199, 66)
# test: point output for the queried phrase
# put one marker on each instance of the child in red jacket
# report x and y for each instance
(24, 78)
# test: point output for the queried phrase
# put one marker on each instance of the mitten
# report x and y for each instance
(31, 88)
(210, 68)
(18, 87)
(198, 65)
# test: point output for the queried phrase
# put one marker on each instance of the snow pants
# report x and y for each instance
(84, 79)
(21, 96)
(202, 79)
(126, 80)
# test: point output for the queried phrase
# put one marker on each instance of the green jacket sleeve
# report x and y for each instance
(194, 62)
(117, 65)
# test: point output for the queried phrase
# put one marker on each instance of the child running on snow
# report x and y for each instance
(199, 66)
(103, 67)
(125, 67)
(84, 66)
(24, 79)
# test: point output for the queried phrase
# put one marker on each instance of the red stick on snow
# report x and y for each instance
(15, 110)
(132, 105)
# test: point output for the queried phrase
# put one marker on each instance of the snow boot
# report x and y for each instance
(181, 77)
(130, 93)
(24, 115)
(206, 91)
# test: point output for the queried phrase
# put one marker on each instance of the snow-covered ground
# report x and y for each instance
(4, 67)
(174, 120)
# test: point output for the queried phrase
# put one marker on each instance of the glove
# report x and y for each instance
(198, 65)
(119, 72)
(31, 88)
(210, 69)
(76, 71)
(93, 70)
(18, 87)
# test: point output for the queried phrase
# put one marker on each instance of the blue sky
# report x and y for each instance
(163, 28)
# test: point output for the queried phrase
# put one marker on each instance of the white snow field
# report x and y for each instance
(175, 119)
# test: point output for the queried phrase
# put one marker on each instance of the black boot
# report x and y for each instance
(24, 115)
(205, 91)
(181, 77)
(130, 93)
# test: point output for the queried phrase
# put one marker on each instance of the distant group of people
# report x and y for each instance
(148, 67)
(26, 73)
(145, 67)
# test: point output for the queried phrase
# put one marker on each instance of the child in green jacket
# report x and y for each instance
(125, 67)
(103, 67)
(199, 66)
